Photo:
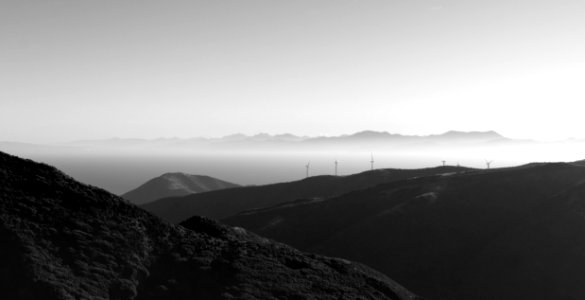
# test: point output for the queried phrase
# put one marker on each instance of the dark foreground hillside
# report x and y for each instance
(516, 233)
(60, 239)
(224, 203)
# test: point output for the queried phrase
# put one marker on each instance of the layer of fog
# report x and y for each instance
(120, 169)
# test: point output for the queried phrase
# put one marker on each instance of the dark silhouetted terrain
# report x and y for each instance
(175, 184)
(60, 239)
(515, 233)
(224, 203)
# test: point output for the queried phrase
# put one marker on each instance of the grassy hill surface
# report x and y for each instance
(60, 239)
(224, 203)
(175, 184)
(515, 233)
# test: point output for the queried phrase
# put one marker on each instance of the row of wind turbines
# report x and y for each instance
(308, 165)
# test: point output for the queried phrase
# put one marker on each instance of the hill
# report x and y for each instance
(515, 233)
(224, 203)
(175, 184)
(61, 239)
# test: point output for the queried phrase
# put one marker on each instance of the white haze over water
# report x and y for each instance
(119, 169)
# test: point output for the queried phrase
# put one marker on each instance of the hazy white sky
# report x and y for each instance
(84, 69)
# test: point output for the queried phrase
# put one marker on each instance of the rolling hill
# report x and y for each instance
(514, 233)
(60, 239)
(224, 203)
(175, 184)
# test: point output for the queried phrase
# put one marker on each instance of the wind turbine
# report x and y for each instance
(336, 167)
(372, 162)
(444, 163)
(307, 167)
(489, 163)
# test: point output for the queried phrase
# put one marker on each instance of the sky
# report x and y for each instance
(82, 69)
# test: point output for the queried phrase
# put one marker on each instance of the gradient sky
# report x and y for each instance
(84, 69)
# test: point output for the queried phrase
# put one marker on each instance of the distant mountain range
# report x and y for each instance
(175, 184)
(223, 203)
(368, 139)
(511, 233)
(290, 140)
(60, 239)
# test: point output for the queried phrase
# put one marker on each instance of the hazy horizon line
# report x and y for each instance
(290, 135)
(258, 134)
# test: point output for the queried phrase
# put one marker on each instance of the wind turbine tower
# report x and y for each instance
(307, 167)
(336, 167)
(489, 163)
(372, 162)
(444, 163)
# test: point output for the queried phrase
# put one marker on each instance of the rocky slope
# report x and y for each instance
(224, 203)
(516, 233)
(175, 184)
(60, 239)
